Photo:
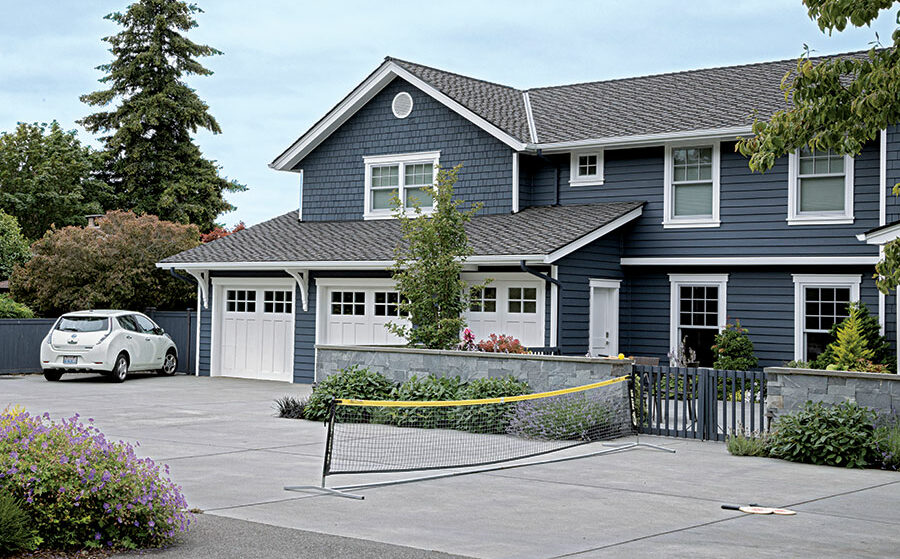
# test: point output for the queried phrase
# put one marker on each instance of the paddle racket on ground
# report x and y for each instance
(754, 509)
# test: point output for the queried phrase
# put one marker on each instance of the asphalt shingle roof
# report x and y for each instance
(539, 230)
(723, 97)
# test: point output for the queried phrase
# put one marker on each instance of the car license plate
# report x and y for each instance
(70, 360)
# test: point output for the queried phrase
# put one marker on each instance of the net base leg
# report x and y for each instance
(326, 490)
(638, 444)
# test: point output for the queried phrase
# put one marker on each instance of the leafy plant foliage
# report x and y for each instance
(151, 160)
(841, 435)
(733, 349)
(16, 531)
(493, 418)
(11, 309)
(427, 388)
(48, 177)
(887, 440)
(743, 444)
(353, 382)
(14, 247)
(109, 267)
(427, 268)
(870, 331)
(570, 417)
(290, 407)
(81, 490)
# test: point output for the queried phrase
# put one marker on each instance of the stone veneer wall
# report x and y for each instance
(788, 389)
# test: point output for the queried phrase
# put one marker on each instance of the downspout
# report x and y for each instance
(559, 288)
(185, 279)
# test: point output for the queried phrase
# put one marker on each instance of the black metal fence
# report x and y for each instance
(20, 340)
(699, 403)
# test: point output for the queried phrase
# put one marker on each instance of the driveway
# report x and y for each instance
(232, 457)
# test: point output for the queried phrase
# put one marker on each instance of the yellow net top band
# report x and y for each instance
(448, 403)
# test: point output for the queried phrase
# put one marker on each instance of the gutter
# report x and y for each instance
(556, 349)
(183, 278)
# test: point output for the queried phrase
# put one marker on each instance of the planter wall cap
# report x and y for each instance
(476, 354)
(843, 374)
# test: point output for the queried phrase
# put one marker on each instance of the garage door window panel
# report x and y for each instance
(483, 300)
(278, 302)
(348, 303)
(522, 300)
(387, 303)
(240, 300)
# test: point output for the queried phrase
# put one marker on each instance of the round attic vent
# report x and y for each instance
(402, 105)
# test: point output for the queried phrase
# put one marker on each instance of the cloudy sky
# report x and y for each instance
(287, 62)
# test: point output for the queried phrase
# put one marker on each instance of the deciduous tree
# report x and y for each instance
(13, 245)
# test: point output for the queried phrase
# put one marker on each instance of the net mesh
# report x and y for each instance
(394, 436)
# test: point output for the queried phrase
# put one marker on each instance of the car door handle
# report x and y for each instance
(147, 339)
(127, 337)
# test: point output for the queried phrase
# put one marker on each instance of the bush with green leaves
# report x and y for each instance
(427, 388)
(733, 349)
(16, 531)
(489, 418)
(870, 329)
(290, 407)
(748, 444)
(572, 417)
(82, 490)
(840, 435)
(14, 248)
(12, 309)
(353, 382)
(887, 440)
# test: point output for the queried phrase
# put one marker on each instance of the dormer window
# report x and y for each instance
(405, 176)
(586, 168)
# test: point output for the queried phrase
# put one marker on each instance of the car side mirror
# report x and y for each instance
(159, 331)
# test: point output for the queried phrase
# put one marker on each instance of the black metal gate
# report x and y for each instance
(697, 403)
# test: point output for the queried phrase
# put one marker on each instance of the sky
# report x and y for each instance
(286, 63)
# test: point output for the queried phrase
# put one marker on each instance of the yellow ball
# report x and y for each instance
(621, 356)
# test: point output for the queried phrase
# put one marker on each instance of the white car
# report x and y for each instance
(113, 343)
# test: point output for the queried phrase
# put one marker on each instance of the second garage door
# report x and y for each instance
(356, 313)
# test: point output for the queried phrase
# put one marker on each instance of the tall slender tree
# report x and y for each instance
(152, 161)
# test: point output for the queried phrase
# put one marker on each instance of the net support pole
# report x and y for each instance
(326, 463)
(637, 431)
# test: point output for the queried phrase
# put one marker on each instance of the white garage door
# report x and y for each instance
(511, 304)
(254, 335)
(356, 313)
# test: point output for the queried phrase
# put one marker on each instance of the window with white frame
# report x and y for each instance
(586, 168)
(348, 303)
(277, 301)
(697, 314)
(820, 301)
(483, 300)
(240, 300)
(820, 189)
(403, 176)
(691, 194)
(522, 300)
(387, 303)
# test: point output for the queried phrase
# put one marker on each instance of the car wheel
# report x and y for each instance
(120, 369)
(170, 364)
(52, 376)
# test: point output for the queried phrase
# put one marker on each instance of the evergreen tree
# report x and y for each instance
(152, 161)
(733, 349)
(14, 248)
(882, 353)
(850, 348)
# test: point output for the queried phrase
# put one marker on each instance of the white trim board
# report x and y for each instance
(753, 261)
(594, 235)
(360, 96)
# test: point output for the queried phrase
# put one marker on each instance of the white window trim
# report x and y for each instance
(794, 216)
(801, 282)
(590, 180)
(401, 160)
(676, 281)
(669, 219)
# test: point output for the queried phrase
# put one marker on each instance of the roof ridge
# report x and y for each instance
(695, 70)
(393, 59)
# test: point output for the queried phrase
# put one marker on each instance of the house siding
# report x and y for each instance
(334, 172)
(761, 298)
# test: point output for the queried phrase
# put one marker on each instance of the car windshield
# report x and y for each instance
(82, 324)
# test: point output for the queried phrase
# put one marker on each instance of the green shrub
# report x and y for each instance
(887, 441)
(16, 533)
(290, 407)
(882, 354)
(353, 382)
(422, 389)
(742, 444)
(850, 347)
(801, 364)
(733, 349)
(14, 249)
(489, 418)
(82, 490)
(565, 418)
(841, 435)
(11, 309)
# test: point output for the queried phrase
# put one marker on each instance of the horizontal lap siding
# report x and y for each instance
(334, 173)
(305, 336)
(599, 260)
(762, 299)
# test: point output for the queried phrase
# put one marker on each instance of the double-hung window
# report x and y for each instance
(586, 168)
(820, 190)
(697, 314)
(405, 177)
(691, 179)
(820, 301)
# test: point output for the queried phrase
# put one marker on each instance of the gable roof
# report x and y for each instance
(709, 101)
(538, 233)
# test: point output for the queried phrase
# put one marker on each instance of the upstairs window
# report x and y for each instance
(586, 168)
(691, 178)
(820, 188)
(405, 176)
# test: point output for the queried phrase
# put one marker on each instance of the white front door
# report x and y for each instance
(254, 334)
(604, 321)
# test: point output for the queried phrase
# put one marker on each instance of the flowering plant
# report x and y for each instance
(82, 490)
(501, 344)
(468, 341)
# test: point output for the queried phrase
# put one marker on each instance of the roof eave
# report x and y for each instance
(638, 140)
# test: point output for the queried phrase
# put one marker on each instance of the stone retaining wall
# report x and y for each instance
(788, 389)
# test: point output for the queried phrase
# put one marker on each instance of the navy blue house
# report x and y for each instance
(617, 217)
